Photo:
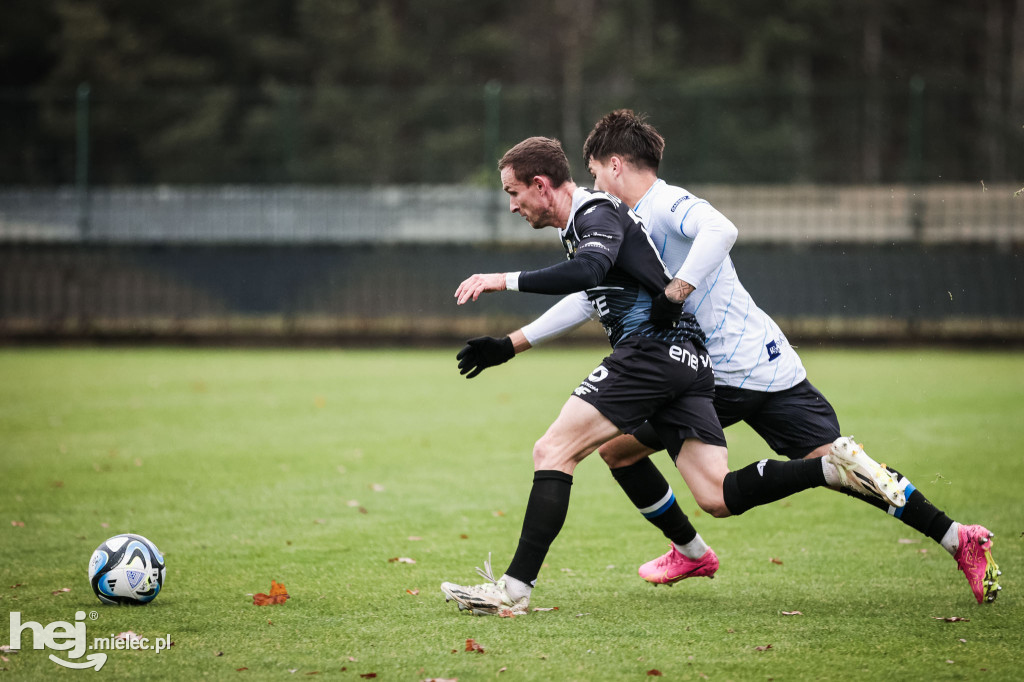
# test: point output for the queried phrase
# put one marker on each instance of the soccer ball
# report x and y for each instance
(126, 569)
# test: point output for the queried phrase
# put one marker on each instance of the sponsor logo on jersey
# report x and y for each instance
(760, 467)
(599, 374)
(773, 350)
(684, 356)
(589, 210)
(595, 244)
(679, 201)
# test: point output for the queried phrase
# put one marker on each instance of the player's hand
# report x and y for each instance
(479, 284)
(665, 313)
(483, 352)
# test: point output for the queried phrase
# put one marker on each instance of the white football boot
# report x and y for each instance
(488, 599)
(860, 473)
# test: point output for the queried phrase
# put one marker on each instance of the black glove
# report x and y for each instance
(482, 352)
(665, 313)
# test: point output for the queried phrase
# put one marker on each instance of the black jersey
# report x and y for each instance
(612, 257)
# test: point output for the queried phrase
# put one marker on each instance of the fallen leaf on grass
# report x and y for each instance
(415, 538)
(908, 541)
(763, 648)
(278, 595)
(952, 619)
(445, 679)
(17, 585)
(413, 592)
(128, 636)
(219, 653)
(313, 672)
(776, 561)
(654, 672)
(18, 524)
(463, 536)
(352, 659)
(368, 676)
(238, 670)
(471, 645)
(791, 613)
(545, 608)
(401, 560)
(502, 668)
(61, 590)
(498, 512)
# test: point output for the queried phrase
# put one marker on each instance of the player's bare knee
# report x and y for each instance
(713, 504)
(548, 456)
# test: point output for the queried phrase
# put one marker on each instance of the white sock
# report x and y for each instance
(516, 588)
(694, 549)
(831, 473)
(951, 540)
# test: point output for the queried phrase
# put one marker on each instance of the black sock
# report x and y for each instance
(545, 514)
(769, 480)
(653, 497)
(918, 512)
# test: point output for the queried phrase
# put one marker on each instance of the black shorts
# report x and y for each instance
(793, 422)
(669, 385)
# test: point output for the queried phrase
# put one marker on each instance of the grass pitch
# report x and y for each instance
(319, 468)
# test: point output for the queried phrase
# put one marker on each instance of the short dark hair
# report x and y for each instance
(625, 134)
(537, 156)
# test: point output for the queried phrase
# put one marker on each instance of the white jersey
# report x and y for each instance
(747, 348)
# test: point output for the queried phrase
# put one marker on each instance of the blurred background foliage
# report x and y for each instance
(431, 91)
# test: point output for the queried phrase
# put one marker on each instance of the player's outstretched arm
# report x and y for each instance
(471, 288)
(486, 351)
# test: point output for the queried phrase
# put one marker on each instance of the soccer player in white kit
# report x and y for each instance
(759, 378)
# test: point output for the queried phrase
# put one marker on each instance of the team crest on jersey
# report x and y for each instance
(773, 350)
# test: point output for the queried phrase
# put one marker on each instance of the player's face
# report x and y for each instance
(605, 179)
(528, 200)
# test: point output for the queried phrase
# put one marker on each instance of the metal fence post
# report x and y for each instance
(82, 157)
(492, 132)
(915, 156)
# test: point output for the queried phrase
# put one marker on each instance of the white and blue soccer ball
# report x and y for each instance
(127, 569)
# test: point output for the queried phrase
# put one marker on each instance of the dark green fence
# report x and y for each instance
(911, 131)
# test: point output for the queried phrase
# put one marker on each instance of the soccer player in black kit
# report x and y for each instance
(658, 372)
